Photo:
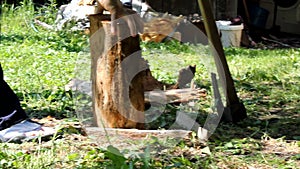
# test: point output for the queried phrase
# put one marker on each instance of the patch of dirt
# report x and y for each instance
(281, 148)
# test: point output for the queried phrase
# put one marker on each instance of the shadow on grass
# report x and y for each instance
(277, 117)
(263, 118)
(58, 104)
(286, 127)
(12, 38)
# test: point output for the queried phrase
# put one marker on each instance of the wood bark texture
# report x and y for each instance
(117, 76)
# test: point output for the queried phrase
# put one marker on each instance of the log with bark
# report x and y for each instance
(120, 76)
(117, 73)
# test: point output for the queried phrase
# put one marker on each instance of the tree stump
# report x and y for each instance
(117, 73)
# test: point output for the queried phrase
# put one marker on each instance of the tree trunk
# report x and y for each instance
(117, 76)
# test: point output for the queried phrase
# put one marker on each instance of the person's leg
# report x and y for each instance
(11, 111)
(1, 73)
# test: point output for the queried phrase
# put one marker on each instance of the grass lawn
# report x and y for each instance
(38, 65)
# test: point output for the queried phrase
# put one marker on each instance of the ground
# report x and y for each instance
(38, 65)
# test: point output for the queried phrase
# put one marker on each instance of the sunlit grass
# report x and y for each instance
(38, 64)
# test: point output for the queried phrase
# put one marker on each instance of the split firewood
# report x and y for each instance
(175, 95)
(185, 76)
(171, 95)
(159, 28)
(135, 133)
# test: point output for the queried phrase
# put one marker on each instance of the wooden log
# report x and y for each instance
(175, 95)
(117, 79)
(133, 139)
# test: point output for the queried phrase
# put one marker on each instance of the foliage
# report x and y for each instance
(37, 65)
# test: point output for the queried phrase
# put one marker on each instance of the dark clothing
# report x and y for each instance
(11, 111)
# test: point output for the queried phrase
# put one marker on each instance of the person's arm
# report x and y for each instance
(117, 11)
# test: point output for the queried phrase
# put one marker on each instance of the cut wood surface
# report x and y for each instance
(175, 95)
(136, 133)
(172, 95)
(132, 139)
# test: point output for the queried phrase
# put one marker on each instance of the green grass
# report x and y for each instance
(37, 65)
